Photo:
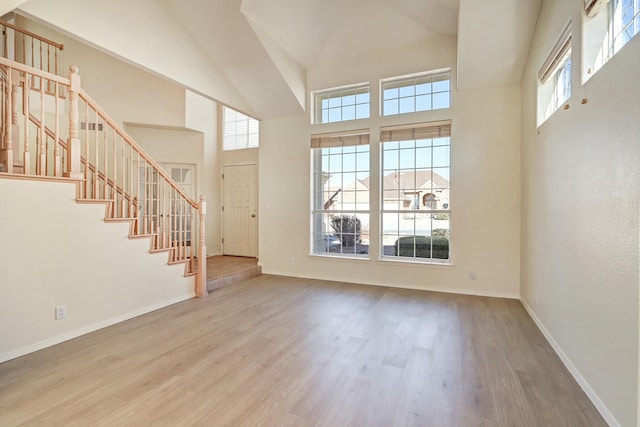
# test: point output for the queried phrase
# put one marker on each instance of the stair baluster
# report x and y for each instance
(7, 152)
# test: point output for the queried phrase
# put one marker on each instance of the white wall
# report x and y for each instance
(123, 27)
(580, 219)
(242, 157)
(58, 252)
(485, 179)
(7, 6)
(202, 114)
(125, 92)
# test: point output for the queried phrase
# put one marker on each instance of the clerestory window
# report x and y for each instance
(239, 130)
(554, 88)
(418, 92)
(341, 104)
(608, 26)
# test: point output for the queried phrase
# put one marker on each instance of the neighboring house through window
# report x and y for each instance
(429, 201)
(340, 213)
(416, 166)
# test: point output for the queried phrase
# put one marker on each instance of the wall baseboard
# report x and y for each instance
(13, 354)
(471, 292)
(582, 382)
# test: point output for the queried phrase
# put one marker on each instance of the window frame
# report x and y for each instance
(414, 138)
(244, 136)
(561, 84)
(616, 14)
(554, 74)
(361, 93)
(426, 79)
(601, 38)
(324, 240)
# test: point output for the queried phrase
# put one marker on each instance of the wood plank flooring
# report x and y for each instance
(221, 266)
(224, 270)
(276, 351)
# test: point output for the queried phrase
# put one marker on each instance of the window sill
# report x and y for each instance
(341, 257)
(416, 263)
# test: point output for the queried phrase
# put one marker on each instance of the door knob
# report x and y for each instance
(253, 215)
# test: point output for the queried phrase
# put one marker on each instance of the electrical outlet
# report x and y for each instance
(292, 261)
(61, 312)
(472, 275)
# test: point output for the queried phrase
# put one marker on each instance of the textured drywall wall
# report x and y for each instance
(581, 187)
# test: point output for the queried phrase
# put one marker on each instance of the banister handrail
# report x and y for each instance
(124, 135)
(110, 166)
(51, 134)
(34, 71)
(34, 35)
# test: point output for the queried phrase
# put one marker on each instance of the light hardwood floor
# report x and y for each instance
(277, 351)
(227, 270)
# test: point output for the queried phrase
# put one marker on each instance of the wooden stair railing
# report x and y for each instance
(93, 171)
(163, 208)
(22, 143)
(108, 164)
(30, 49)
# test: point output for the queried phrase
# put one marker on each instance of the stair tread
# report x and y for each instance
(159, 250)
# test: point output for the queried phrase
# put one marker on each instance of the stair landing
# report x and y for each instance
(226, 270)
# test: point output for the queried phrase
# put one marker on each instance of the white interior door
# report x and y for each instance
(239, 216)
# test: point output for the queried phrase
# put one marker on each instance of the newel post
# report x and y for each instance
(74, 168)
(201, 277)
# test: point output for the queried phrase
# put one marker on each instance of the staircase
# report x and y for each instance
(50, 128)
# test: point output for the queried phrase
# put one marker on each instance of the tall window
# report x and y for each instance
(416, 191)
(342, 104)
(555, 77)
(341, 181)
(421, 92)
(240, 131)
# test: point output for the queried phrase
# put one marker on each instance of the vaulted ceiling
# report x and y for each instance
(254, 54)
